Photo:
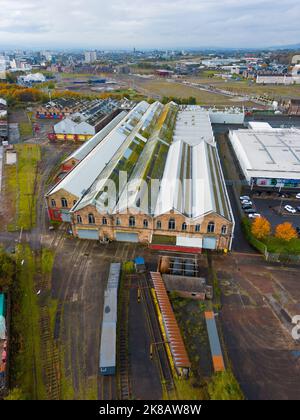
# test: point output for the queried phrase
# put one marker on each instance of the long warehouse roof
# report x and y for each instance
(89, 145)
(79, 180)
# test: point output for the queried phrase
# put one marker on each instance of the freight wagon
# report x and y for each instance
(108, 345)
(2, 305)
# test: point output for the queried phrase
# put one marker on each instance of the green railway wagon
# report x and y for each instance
(2, 305)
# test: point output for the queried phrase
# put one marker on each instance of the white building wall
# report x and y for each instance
(241, 155)
(226, 117)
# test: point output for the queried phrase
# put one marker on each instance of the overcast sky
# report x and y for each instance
(149, 23)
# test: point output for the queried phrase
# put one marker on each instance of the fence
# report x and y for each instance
(262, 248)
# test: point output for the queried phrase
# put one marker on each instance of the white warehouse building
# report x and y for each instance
(268, 157)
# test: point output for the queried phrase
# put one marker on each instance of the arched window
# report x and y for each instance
(64, 203)
(172, 224)
(79, 219)
(158, 224)
(184, 226)
(224, 230)
(104, 221)
(53, 203)
(132, 221)
(146, 224)
(211, 227)
(91, 219)
(197, 228)
(74, 203)
(118, 221)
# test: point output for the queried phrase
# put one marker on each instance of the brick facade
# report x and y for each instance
(109, 225)
(55, 204)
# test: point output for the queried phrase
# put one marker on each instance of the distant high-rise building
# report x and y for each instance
(90, 57)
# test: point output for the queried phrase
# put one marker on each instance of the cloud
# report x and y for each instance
(149, 23)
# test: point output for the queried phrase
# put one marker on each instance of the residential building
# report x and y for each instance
(90, 57)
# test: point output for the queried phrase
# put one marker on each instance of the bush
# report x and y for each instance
(224, 387)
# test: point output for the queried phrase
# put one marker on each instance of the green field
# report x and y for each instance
(246, 87)
(25, 129)
(164, 88)
(21, 186)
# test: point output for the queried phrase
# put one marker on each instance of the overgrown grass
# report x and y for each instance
(25, 129)
(224, 386)
(22, 180)
(26, 366)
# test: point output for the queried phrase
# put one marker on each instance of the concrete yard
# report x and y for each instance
(264, 355)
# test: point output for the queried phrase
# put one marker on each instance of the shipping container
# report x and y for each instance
(108, 345)
(108, 349)
(215, 346)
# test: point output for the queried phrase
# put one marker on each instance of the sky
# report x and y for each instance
(109, 24)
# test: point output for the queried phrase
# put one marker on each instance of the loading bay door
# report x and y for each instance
(210, 243)
(88, 234)
(127, 237)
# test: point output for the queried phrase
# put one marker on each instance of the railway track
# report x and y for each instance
(123, 356)
(50, 357)
(161, 356)
(107, 388)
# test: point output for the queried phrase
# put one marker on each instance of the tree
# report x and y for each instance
(261, 228)
(286, 232)
(7, 270)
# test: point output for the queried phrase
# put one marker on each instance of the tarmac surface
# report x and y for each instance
(265, 358)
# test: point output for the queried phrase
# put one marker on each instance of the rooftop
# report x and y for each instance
(271, 153)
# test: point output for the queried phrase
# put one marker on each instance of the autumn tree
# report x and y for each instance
(286, 232)
(261, 228)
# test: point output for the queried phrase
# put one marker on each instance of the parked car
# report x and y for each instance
(298, 208)
(290, 209)
(254, 215)
(245, 197)
(250, 211)
(247, 206)
(244, 202)
(298, 196)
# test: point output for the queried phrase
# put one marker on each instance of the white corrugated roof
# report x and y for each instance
(79, 180)
(204, 194)
(89, 145)
(193, 126)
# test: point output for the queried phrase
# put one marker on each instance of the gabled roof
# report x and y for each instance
(80, 179)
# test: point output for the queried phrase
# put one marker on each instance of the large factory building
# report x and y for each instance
(173, 194)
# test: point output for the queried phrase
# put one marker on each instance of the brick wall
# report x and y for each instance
(110, 229)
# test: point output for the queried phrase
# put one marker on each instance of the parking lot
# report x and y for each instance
(272, 207)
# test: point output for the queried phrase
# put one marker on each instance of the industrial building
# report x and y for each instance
(87, 122)
(31, 79)
(268, 157)
(3, 120)
(155, 178)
